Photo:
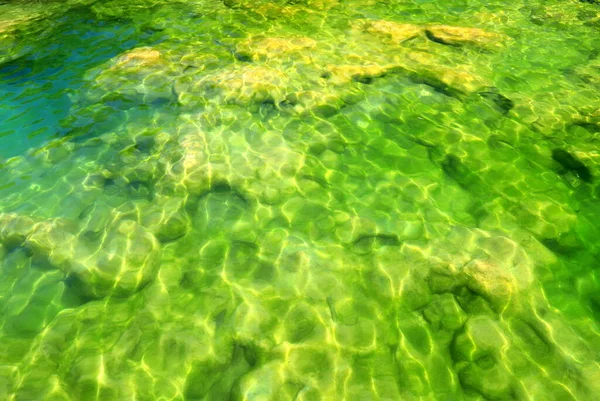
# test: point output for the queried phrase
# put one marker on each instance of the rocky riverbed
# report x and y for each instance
(299, 200)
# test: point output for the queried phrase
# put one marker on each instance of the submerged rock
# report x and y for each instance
(454, 80)
(461, 36)
(445, 313)
(140, 56)
(120, 263)
(239, 85)
(343, 74)
(310, 238)
(491, 281)
(125, 263)
(396, 32)
(444, 34)
(275, 48)
(140, 75)
(503, 103)
(169, 222)
(54, 240)
(14, 229)
(314, 102)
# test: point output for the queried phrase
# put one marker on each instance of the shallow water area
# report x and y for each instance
(299, 200)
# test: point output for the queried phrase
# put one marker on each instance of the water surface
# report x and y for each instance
(299, 200)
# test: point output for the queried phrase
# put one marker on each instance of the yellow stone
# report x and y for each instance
(7, 26)
(269, 48)
(341, 74)
(459, 78)
(140, 56)
(249, 83)
(395, 31)
(490, 280)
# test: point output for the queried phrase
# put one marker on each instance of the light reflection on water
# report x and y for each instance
(309, 200)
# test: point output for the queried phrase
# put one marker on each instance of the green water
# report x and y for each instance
(269, 200)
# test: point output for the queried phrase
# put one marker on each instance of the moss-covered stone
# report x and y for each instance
(142, 74)
(444, 313)
(126, 261)
(394, 31)
(303, 200)
(266, 48)
(14, 229)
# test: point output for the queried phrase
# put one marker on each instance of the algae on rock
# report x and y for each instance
(312, 200)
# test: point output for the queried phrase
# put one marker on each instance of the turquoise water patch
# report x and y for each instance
(36, 89)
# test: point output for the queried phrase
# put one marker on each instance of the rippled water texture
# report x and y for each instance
(270, 200)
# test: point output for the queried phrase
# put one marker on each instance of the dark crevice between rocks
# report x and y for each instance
(367, 243)
(86, 211)
(219, 319)
(109, 184)
(430, 146)
(503, 103)
(242, 56)
(206, 382)
(589, 127)
(453, 346)
(136, 189)
(140, 190)
(219, 187)
(82, 292)
(572, 164)
(331, 306)
(594, 305)
(364, 79)
(215, 209)
(496, 142)
(246, 244)
(397, 370)
(531, 335)
(75, 287)
(437, 85)
(382, 239)
(456, 170)
(435, 39)
(287, 103)
(224, 187)
(560, 247)
(232, 4)
(321, 182)
(472, 303)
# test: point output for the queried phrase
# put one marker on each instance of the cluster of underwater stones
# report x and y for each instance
(294, 240)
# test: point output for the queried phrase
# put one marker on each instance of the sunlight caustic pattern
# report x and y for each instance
(305, 200)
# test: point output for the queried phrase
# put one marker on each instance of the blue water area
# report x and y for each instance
(35, 89)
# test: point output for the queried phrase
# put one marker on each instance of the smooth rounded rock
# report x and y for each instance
(125, 263)
(444, 313)
(170, 222)
(14, 229)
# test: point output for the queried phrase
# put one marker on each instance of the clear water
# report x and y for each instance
(299, 200)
